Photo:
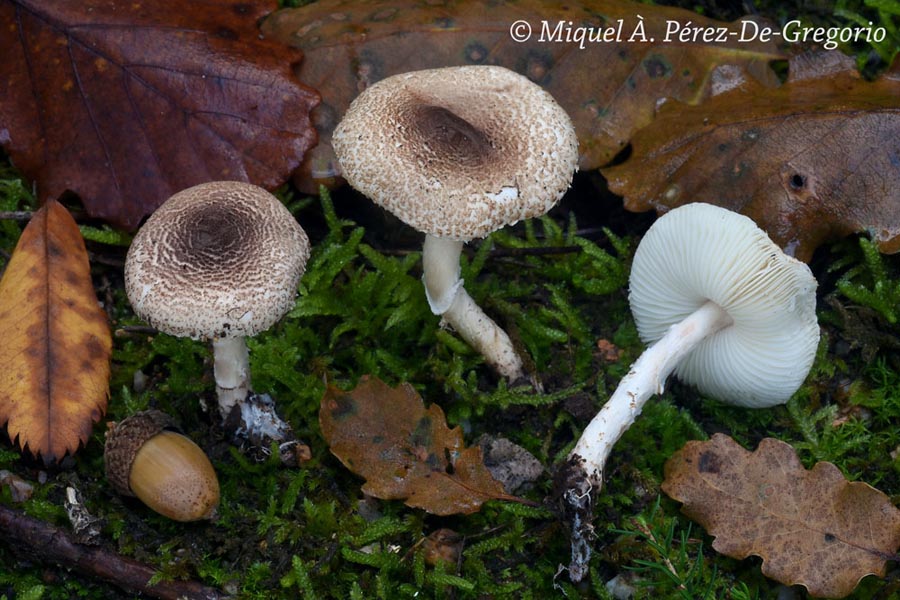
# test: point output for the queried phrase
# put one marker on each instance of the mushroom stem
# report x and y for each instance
(255, 421)
(231, 367)
(447, 297)
(646, 377)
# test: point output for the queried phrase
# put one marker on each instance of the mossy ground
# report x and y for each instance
(559, 285)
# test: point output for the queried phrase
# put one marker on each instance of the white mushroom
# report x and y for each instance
(458, 153)
(725, 310)
(219, 261)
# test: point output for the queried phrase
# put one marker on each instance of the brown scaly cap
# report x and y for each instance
(124, 439)
(217, 260)
(458, 152)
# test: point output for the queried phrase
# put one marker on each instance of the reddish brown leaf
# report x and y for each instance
(812, 528)
(56, 341)
(609, 88)
(816, 159)
(404, 451)
(125, 103)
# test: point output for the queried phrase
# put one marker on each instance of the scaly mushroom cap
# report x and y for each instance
(698, 252)
(458, 152)
(218, 260)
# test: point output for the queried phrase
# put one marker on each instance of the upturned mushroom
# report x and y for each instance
(725, 310)
(458, 153)
(221, 261)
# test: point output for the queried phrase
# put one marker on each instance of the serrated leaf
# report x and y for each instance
(811, 527)
(56, 341)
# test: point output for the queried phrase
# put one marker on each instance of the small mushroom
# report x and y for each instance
(220, 261)
(725, 310)
(458, 153)
(146, 458)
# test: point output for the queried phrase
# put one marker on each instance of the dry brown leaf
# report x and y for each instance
(404, 451)
(609, 88)
(56, 341)
(126, 103)
(442, 546)
(811, 527)
(818, 158)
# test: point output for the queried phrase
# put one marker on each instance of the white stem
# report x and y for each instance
(447, 297)
(440, 272)
(231, 367)
(646, 377)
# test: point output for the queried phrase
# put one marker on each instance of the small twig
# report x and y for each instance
(330, 552)
(110, 261)
(504, 252)
(398, 251)
(53, 544)
(15, 215)
(497, 252)
(591, 232)
(131, 330)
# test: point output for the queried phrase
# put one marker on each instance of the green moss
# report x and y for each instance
(869, 283)
(361, 310)
(105, 235)
(14, 196)
(883, 14)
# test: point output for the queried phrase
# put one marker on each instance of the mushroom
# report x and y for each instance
(725, 310)
(458, 153)
(220, 261)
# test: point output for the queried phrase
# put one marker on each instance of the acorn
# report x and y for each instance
(146, 457)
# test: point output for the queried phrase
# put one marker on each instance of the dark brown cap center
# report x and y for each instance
(213, 237)
(213, 231)
(451, 137)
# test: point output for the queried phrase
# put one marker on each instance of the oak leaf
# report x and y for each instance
(56, 341)
(609, 88)
(811, 527)
(405, 451)
(813, 160)
(126, 103)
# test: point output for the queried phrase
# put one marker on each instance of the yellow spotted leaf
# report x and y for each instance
(810, 527)
(56, 343)
(405, 451)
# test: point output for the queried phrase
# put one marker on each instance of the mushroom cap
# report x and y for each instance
(458, 152)
(697, 253)
(218, 260)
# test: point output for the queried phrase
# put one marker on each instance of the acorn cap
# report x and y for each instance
(125, 438)
(458, 152)
(697, 253)
(218, 260)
